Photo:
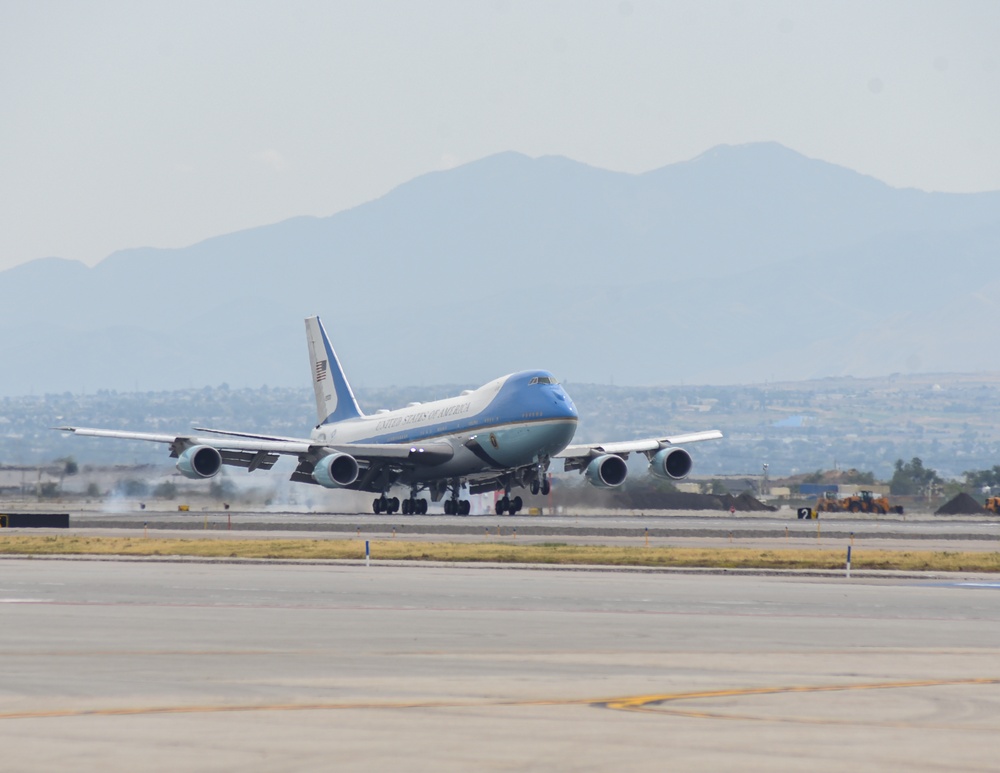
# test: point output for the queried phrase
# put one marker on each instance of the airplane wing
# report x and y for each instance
(260, 452)
(625, 447)
(184, 441)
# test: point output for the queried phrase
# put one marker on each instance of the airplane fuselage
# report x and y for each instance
(510, 422)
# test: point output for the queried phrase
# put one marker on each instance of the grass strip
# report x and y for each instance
(504, 552)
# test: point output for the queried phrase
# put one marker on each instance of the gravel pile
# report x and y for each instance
(745, 503)
(961, 504)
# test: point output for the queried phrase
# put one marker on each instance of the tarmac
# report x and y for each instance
(202, 665)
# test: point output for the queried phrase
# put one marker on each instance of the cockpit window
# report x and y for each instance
(543, 380)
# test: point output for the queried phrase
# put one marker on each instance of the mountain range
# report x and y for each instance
(746, 264)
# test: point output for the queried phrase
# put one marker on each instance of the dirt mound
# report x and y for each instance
(640, 497)
(671, 500)
(745, 503)
(961, 504)
(748, 503)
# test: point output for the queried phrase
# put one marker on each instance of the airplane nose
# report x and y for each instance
(564, 406)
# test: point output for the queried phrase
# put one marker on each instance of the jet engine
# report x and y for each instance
(336, 470)
(608, 471)
(671, 463)
(199, 462)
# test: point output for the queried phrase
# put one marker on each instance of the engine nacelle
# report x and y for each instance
(336, 470)
(608, 471)
(671, 463)
(199, 462)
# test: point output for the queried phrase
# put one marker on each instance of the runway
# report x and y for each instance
(757, 530)
(206, 666)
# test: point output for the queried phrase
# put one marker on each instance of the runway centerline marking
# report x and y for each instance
(652, 704)
(648, 704)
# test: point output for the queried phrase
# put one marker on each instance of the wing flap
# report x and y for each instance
(259, 460)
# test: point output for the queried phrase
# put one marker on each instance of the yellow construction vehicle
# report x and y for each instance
(862, 502)
(993, 504)
(828, 503)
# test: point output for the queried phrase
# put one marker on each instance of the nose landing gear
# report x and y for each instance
(540, 483)
(542, 487)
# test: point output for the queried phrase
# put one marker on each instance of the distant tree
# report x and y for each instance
(70, 467)
(814, 477)
(657, 484)
(130, 487)
(221, 489)
(912, 477)
(977, 479)
(953, 488)
(718, 487)
(166, 490)
(858, 478)
(93, 490)
(48, 490)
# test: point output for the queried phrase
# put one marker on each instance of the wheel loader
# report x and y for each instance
(862, 502)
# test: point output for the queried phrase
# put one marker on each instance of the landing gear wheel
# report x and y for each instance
(394, 505)
(449, 507)
(464, 507)
(407, 507)
(421, 507)
(546, 488)
(377, 506)
(534, 488)
(516, 505)
(499, 507)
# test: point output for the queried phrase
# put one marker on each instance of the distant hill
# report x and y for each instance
(746, 264)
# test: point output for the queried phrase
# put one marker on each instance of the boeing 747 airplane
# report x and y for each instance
(501, 436)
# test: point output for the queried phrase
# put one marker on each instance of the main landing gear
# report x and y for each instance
(457, 507)
(414, 506)
(384, 504)
(410, 506)
(508, 505)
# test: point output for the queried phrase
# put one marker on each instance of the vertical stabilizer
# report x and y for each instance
(335, 400)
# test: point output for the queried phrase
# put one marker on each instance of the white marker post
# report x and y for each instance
(848, 562)
(368, 554)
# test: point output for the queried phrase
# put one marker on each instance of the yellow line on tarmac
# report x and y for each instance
(234, 708)
(652, 704)
(638, 703)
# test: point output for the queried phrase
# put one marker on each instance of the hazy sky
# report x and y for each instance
(130, 124)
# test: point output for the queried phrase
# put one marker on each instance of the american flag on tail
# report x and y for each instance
(321, 370)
